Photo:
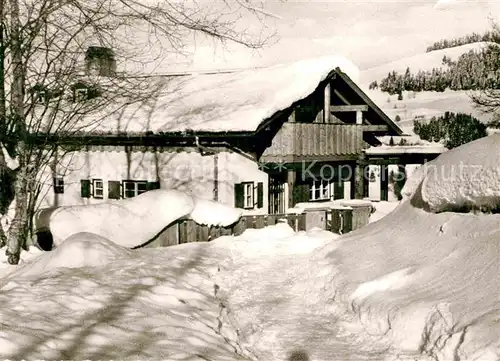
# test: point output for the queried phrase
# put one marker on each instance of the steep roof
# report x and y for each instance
(231, 101)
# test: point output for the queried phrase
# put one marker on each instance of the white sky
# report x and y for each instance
(367, 32)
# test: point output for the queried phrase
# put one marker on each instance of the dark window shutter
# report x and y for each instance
(153, 185)
(260, 195)
(85, 188)
(239, 196)
(301, 193)
(58, 185)
(114, 190)
(338, 190)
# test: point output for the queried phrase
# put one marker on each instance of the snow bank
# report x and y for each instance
(26, 256)
(152, 304)
(382, 209)
(128, 222)
(79, 250)
(213, 213)
(133, 222)
(464, 178)
(417, 262)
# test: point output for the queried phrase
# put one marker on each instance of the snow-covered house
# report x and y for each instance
(260, 139)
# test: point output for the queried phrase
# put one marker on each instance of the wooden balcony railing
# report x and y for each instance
(315, 141)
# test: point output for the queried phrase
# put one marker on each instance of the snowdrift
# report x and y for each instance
(462, 179)
(135, 221)
(79, 250)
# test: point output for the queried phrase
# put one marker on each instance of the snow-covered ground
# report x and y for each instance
(418, 284)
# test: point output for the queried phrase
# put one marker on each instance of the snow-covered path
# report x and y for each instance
(275, 295)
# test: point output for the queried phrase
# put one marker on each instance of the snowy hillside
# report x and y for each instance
(425, 105)
(423, 61)
(419, 284)
(421, 104)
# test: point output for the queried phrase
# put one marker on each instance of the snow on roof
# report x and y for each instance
(406, 149)
(233, 101)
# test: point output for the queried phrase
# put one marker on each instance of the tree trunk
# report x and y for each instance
(19, 227)
(3, 124)
(3, 237)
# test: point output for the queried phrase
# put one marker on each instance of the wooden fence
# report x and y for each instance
(188, 231)
(340, 220)
(337, 220)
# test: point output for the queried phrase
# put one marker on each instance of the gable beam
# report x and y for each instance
(327, 105)
(349, 108)
(341, 97)
(375, 128)
(359, 115)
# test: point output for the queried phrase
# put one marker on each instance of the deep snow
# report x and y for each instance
(414, 285)
(133, 222)
(462, 178)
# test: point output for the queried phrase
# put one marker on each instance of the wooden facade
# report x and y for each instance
(315, 141)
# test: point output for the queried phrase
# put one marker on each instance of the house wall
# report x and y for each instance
(186, 170)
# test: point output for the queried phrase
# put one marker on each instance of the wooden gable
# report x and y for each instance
(334, 123)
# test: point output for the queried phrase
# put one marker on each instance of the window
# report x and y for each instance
(320, 190)
(41, 96)
(81, 94)
(134, 188)
(100, 61)
(94, 188)
(58, 185)
(98, 188)
(82, 91)
(248, 195)
(244, 195)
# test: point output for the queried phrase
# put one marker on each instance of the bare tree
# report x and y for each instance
(56, 83)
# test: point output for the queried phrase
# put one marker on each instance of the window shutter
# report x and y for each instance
(153, 185)
(239, 196)
(301, 193)
(114, 190)
(338, 190)
(85, 188)
(260, 195)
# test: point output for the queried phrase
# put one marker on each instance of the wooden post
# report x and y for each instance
(384, 182)
(359, 117)
(359, 182)
(326, 108)
(216, 177)
(291, 180)
(352, 178)
(366, 182)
